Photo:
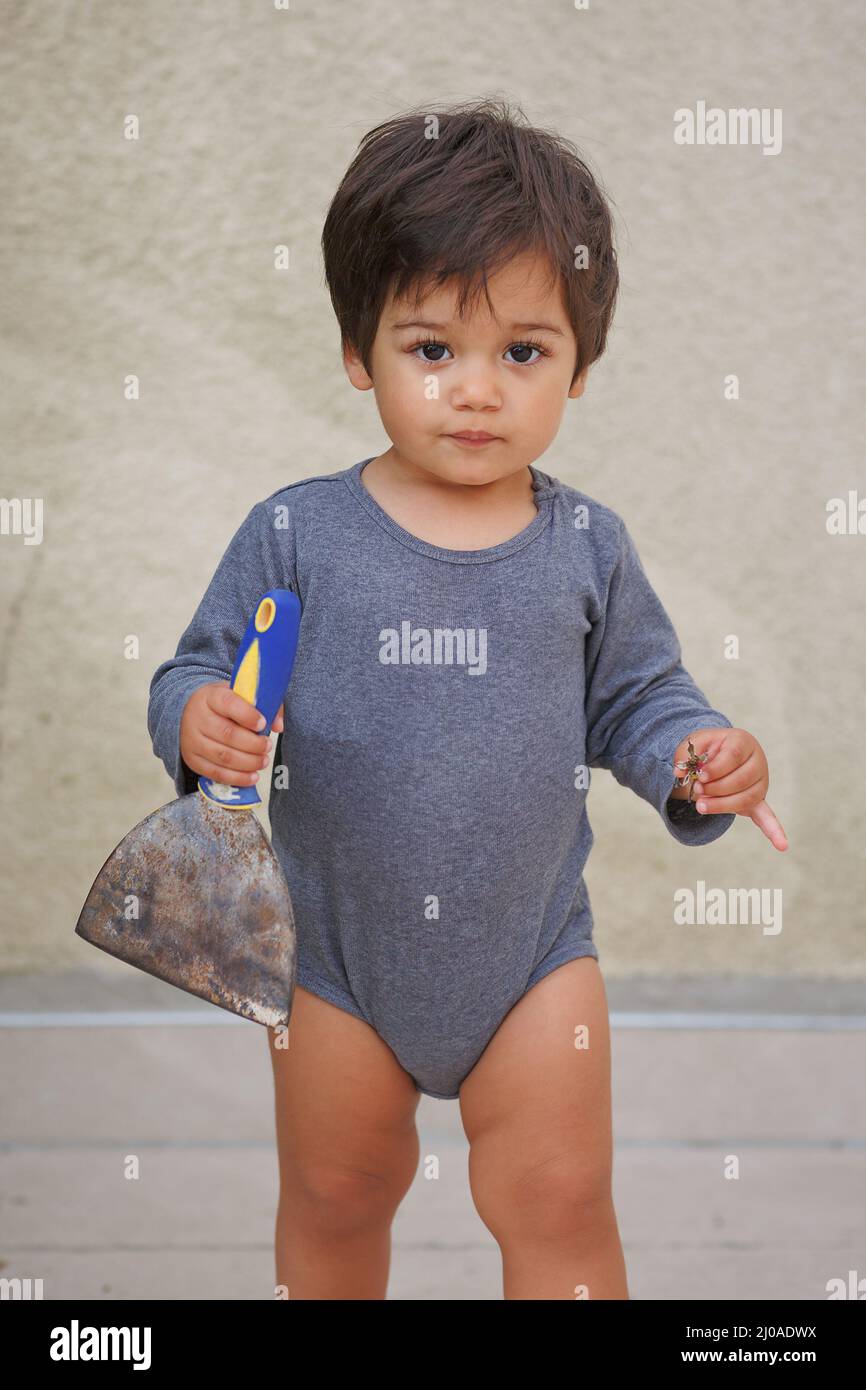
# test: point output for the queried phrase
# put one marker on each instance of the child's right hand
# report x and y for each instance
(218, 736)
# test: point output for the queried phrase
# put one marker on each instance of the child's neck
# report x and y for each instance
(452, 515)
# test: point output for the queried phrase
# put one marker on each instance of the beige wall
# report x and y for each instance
(154, 257)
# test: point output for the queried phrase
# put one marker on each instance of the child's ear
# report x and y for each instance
(355, 369)
(576, 387)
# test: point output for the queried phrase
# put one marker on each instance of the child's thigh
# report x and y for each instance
(343, 1103)
(536, 1106)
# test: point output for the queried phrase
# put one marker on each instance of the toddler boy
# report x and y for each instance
(475, 636)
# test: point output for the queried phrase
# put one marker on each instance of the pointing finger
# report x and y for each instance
(766, 821)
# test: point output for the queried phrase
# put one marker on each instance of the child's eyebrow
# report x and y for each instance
(514, 327)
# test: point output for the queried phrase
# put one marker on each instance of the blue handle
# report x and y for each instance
(261, 673)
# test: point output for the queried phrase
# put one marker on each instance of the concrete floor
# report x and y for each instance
(193, 1101)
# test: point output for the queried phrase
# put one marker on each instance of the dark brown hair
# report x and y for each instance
(412, 209)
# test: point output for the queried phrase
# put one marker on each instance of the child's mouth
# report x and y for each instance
(474, 439)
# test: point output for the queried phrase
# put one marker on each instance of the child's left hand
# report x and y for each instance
(736, 779)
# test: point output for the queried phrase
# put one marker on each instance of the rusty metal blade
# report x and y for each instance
(195, 895)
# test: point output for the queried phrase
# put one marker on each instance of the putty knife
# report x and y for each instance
(195, 894)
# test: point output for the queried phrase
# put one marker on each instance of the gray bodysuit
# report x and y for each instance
(440, 720)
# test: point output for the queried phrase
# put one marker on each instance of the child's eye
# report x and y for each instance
(530, 347)
(429, 343)
(439, 347)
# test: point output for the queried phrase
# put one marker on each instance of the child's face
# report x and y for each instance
(485, 377)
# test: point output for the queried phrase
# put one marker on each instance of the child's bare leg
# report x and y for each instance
(537, 1113)
(348, 1151)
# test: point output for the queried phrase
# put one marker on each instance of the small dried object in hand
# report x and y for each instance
(692, 768)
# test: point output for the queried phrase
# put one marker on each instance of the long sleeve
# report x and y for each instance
(260, 556)
(641, 702)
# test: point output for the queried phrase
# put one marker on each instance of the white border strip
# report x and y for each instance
(143, 1018)
(821, 1023)
(655, 1019)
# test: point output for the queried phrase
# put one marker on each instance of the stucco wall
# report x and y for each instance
(153, 258)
